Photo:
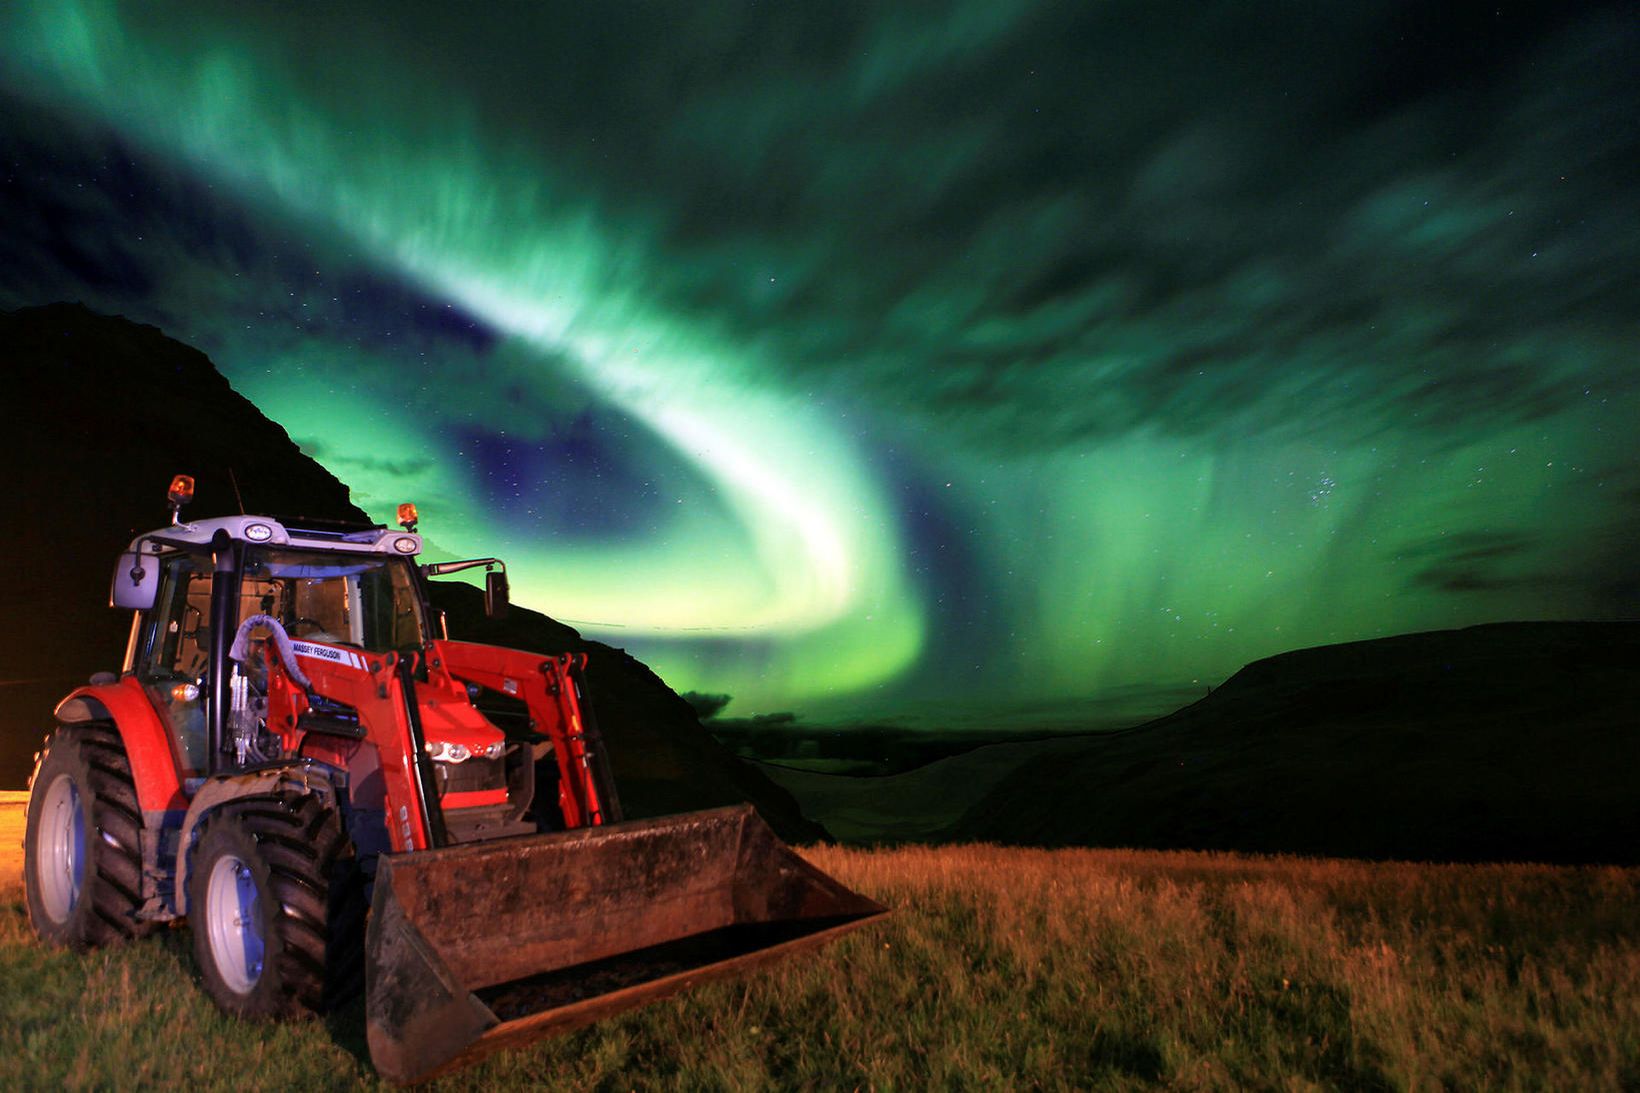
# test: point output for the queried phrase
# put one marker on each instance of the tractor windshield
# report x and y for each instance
(363, 600)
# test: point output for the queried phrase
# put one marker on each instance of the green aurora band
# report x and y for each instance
(1033, 459)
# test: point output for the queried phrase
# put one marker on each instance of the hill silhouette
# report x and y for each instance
(1509, 741)
(100, 412)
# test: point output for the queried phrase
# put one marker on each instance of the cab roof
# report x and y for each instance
(272, 531)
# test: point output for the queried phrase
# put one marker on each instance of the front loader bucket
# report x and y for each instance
(491, 945)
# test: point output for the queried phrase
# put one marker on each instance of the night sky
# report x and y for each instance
(862, 360)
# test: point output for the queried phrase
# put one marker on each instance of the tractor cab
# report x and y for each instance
(204, 589)
(258, 641)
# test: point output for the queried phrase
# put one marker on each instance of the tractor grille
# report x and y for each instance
(475, 773)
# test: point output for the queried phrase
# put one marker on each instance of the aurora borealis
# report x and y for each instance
(844, 359)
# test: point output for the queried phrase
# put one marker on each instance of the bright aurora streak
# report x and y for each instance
(842, 361)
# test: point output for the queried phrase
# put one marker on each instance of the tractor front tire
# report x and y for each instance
(82, 856)
(276, 905)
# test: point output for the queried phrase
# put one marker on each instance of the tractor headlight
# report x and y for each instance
(442, 752)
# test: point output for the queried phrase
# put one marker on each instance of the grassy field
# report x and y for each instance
(999, 969)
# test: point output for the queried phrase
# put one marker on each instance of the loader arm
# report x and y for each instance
(373, 685)
(551, 688)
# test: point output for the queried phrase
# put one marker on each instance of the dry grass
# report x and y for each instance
(12, 805)
(1223, 971)
(1000, 969)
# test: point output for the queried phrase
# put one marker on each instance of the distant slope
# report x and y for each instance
(921, 805)
(100, 412)
(1515, 741)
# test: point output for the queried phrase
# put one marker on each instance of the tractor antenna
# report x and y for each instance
(236, 497)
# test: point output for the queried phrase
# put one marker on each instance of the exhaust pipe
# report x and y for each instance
(471, 949)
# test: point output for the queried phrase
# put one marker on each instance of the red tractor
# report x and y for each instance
(298, 759)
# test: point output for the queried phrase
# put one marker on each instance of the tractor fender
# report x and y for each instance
(147, 741)
(302, 776)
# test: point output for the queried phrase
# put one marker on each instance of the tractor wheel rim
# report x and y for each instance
(60, 841)
(233, 923)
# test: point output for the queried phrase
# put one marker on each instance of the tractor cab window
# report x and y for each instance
(177, 651)
(360, 600)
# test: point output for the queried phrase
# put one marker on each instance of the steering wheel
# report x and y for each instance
(304, 625)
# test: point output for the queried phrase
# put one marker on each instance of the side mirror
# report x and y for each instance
(495, 594)
(136, 582)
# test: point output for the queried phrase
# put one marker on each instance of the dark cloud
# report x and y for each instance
(1473, 561)
(85, 215)
(595, 476)
(81, 216)
(400, 468)
(706, 706)
(1524, 567)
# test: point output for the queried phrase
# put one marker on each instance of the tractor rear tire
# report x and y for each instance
(82, 854)
(277, 909)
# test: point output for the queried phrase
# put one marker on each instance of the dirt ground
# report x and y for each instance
(12, 805)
